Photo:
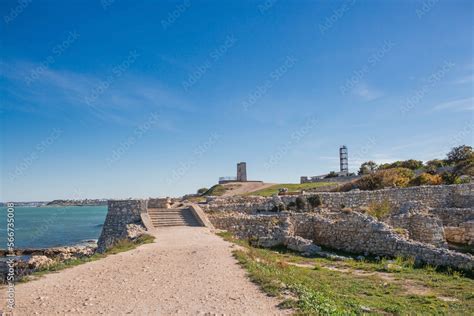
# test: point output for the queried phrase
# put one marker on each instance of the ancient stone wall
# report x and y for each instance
(435, 196)
(159, 203)
(452, 216)
(348, 231)
(430, 196)
(421, 226)
(123, 221)
(249, 226)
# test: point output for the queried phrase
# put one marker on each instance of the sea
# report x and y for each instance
(45, 227)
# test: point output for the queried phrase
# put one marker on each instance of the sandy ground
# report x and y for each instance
(238, 188)
(188, 270)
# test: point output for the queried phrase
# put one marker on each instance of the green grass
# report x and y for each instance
(379, 210)
(216, 190)
(292, 187)
(326, 287)
(121, 246)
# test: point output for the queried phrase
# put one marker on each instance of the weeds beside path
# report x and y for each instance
(316, 286)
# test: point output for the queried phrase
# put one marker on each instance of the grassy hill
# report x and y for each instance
(216, 190)
(292, 187)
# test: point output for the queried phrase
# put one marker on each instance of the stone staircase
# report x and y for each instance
(166, 217)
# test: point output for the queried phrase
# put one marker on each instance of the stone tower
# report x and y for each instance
(241, 172)
(344, 160)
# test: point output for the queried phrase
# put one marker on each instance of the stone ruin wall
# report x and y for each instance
(445, 212)
(348, 231)
(123, 221)
(434, 196)
(429, 215)
(159, 203)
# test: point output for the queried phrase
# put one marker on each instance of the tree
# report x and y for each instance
(432, 166)
(331, 174)
(464, 167)
(410, 164)
(202, 190)
(460, 153)
(367, 167)
(427, 179)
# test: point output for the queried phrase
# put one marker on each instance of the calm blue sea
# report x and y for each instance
(41, 227)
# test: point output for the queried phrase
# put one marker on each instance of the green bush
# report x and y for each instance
(409, 164)
(379, 210)
(202, 190)
(300, 203)
(291, 205)
(216, 190)
(432, 166)
(460, 153)
(314, 201)
(426, 179)
(367, 167)
(331, 174)
(464, 167)
(395, 177)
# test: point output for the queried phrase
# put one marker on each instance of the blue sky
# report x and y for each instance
(122, 99)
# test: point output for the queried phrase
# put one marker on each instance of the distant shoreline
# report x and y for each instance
(60, 203)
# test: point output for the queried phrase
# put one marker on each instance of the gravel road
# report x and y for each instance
(187, 271)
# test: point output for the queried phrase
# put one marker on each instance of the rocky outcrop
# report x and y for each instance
(59, 253)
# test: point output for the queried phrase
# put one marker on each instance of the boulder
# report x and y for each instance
(302, 245)
(36, 262)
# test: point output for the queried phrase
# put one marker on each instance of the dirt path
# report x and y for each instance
(188, 270)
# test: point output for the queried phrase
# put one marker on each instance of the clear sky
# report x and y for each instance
(120, 99)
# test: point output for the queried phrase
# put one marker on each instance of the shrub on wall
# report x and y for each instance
(395, 177)
(432, 166)
(314, 201)
(300, 203)
(331, 174)
(379, 210)
(202, 190)
(216, 190)
(409, 164)
(460, 153)
(427, 179)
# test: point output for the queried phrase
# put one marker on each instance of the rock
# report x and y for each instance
(36, 262)
(302, 245)
(134, 231)
(268, 242)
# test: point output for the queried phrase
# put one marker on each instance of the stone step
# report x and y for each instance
(171, 225)
(160, 222)
(165, 215)
(171, 217)
(161, 217)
